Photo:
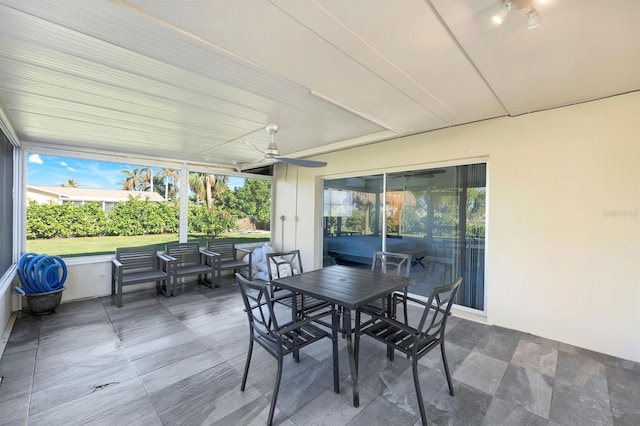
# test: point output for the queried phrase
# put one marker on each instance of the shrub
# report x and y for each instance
(209, 222)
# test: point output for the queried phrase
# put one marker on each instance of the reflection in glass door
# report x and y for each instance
(436, 215)
(352, 220)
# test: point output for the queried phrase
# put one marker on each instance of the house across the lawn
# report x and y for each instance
(78, 196)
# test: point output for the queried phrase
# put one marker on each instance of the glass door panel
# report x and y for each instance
(424, 218)
(352, 220)
(436, 215)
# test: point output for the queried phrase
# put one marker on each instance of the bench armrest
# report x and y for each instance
(166, 257)
(209, 253)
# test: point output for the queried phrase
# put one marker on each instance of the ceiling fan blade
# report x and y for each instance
(302, 163)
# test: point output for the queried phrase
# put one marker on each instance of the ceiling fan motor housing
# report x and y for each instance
(272, 150)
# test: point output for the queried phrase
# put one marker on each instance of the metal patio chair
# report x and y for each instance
(417, 342)
(281, 339)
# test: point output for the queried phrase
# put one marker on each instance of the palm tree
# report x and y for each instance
(206, 186)
(133, 180)
(367, 200)
(196, 183)
(166, 175)
(147, 179)
(71, 183)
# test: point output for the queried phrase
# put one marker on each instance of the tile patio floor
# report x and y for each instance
(179, 361)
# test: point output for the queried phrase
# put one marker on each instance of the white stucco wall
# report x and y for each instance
(563, 235)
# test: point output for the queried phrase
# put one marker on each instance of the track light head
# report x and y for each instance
(533, 19)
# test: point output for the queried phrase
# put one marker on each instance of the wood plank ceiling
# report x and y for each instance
(193, 80)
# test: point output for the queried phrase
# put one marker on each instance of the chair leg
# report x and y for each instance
(119, 295)
(390, 352)
(416, 382)
(276, 387)
(356, 338)
(446, 367)
(246, 365)
(334, 334)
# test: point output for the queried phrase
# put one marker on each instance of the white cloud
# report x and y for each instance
(71, 169)
(35, 158)
(63, 164)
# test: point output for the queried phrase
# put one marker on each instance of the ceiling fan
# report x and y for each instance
(272, 152)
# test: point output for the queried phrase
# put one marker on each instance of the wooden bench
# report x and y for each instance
(189, 260)
(229, 257)
(136, 265)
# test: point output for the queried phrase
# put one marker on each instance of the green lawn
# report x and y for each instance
(69, 247)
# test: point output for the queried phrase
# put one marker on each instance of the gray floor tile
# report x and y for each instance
(331, 408)
(375, 371)
(50, 360)
(503, 413)
(583, 372)
(24, 336)
(527, 388)
(91, 407)
(572, 405)
(536, 357)
(163, 361)
(596, 356)
(623, 363)
(16, 371)
(202, 398)
(481, 372)
(14, 409)
(455, 357)
(499, 343)
(164, 342)
(301, 383)
(161, 378)
(253, 413)
(75, 387)
(467, 407)
(171, 355)
(77, 366)
(624, 392)
(540, 340)
(382, 412)
(467, 333)
(15, 388)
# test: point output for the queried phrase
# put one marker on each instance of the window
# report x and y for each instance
(6, 211)
(85, 206)
(436, 215)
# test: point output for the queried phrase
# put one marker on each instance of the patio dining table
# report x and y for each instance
(347, 287)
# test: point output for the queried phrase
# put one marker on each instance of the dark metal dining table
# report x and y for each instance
(349, 288)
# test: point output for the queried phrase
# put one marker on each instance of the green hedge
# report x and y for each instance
(134, 217)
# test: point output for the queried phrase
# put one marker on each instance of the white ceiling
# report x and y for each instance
(191, 80)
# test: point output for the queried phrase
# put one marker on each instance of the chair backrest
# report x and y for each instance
(137, 258)
(391, 263)
(284, 264)
(259, 307)
(186, 254)
(227, 251)
(434, 318)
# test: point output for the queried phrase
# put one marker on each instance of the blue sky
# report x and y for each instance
(46, 170)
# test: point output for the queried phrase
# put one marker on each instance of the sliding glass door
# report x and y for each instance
(353, 220)
(436, 215)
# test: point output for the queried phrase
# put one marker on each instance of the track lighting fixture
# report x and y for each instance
(533, 19)
(506, 8)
